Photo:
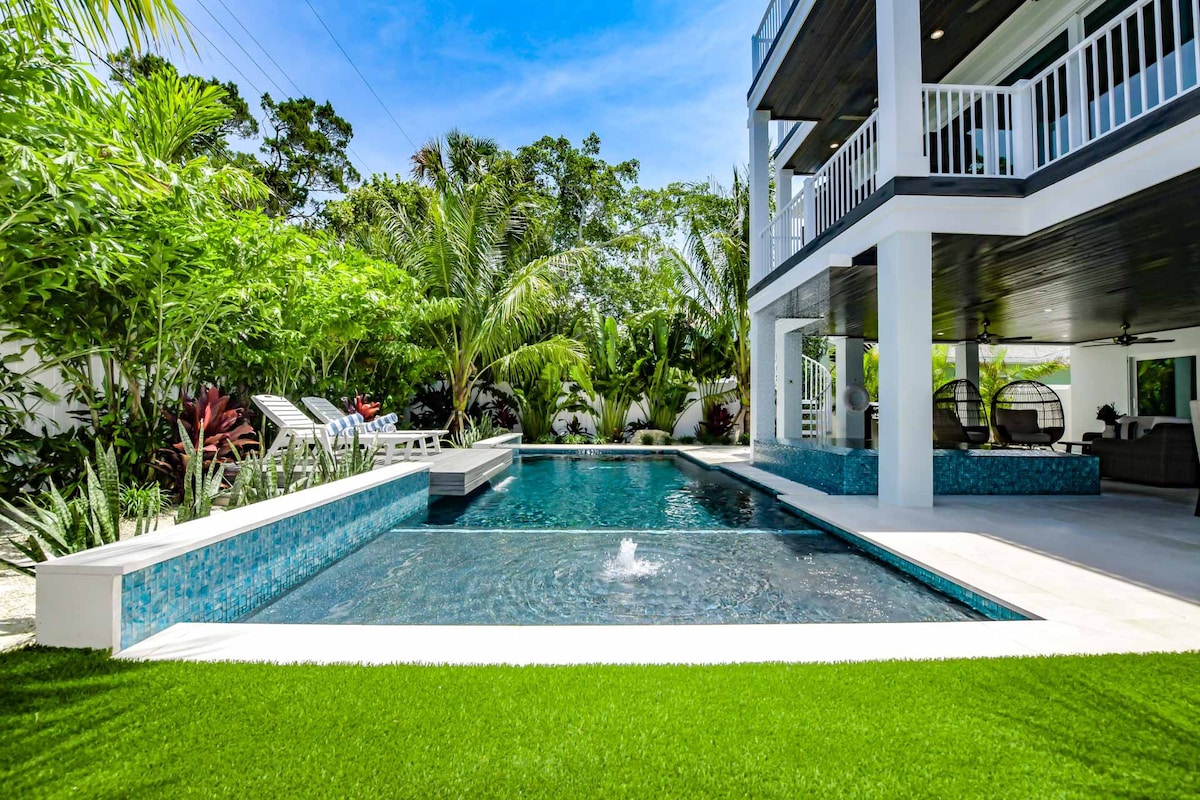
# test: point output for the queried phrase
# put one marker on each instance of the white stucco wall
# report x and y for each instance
(1102, 375)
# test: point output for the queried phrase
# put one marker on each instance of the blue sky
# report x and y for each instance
(663, 81)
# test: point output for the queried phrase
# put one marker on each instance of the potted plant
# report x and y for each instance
(1108, 414)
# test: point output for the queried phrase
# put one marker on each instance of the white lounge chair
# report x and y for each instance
(293, 424)
(427, 441)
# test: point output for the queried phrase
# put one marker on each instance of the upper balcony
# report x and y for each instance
(1137, 63)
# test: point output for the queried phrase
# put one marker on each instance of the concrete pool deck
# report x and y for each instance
(1119, 573)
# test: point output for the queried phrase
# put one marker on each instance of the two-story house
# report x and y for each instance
(958, 171)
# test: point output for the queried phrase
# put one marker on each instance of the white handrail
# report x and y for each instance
(816, 418)
(1124, 70)
(768, 29)
(969, 130)
(849, 177)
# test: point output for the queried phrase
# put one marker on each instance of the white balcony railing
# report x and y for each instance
(1145, 57)
(848, 178)
(968, 130)
(767, 31)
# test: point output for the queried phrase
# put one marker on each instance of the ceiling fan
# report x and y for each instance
(1127, 339)
(987, 337)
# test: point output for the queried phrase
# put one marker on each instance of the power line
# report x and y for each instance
(225, 30)
(267, 53)
(300, 92)
(367, 83)
(221, 53)
(257, 91)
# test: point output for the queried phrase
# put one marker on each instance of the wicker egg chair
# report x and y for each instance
(959, 415)
(1028, 413)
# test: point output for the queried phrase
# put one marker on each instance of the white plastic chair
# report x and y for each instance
(427, 441)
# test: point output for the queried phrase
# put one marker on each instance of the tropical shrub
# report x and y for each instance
(201, 481)
(666, 387)
(211, 424)
(53, 525)
(542, 400)
(143, 505)
(652, 438)
(613, 383)
(475, 248)
(262, 477)
(716, 425)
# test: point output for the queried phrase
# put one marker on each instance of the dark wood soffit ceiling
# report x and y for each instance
(830, 71)
(1137, 261)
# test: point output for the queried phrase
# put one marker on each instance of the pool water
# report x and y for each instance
(600, 541)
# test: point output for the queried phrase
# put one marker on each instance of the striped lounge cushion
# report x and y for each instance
(340, 426)
(384, 424)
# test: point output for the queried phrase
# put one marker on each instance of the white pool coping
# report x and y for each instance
(1082, 612)
(131, 555)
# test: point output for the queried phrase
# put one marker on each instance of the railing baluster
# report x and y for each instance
(1176, 7)
(1112, 91)
(1196, 40)
(1125, 68)
(1158, 51)
(1142, 66)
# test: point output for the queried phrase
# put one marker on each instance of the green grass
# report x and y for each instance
(79, 724)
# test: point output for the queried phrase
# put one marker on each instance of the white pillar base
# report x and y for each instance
(762, 377)
(906, 370)
(848, 425)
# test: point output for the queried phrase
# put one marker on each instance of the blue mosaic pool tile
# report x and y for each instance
(850, 471)
(228, 579)
(984, 605)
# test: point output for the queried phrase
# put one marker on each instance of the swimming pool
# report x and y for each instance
(593, 540)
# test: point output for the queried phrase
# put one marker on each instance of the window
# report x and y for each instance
(1165, 386)
(1056, 49)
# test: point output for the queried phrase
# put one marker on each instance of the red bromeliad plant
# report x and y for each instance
(361, 404)
(218, 420)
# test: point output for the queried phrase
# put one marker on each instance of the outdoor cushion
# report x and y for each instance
(1018, 421)
(340, 426)
(384, 424)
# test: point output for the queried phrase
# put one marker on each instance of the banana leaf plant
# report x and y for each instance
(541, 401)
(612, 386)
(667, 388)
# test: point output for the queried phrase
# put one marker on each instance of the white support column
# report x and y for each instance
(1077, 115)
(762, 377)
(810, 208)
(783, 188)
(966, 361)
(789, 381)
(901, 128)
(760, 193)
(1023, 130)
(848, 355)
(905, 277)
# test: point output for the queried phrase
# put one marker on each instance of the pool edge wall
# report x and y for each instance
(219, 568)
(850, 471)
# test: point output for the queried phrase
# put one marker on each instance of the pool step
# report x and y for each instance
(456, 473)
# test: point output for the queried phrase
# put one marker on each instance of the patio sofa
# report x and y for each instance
(1165, 456)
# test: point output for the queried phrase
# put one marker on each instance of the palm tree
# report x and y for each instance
(994, 371)
(138, 22)
(471, 243)
(716, 281)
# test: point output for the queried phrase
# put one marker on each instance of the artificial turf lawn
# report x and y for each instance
(83, 725)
